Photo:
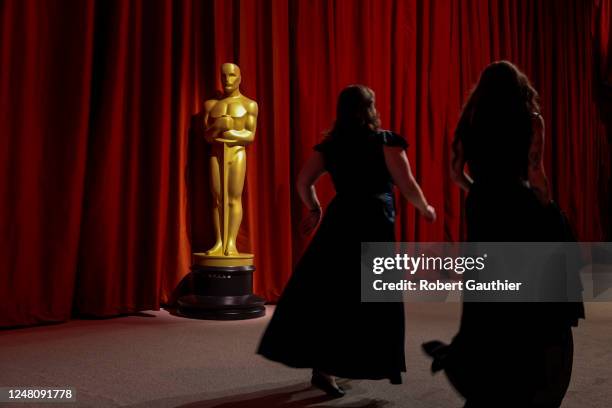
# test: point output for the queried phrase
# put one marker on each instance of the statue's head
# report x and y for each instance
(230, 77)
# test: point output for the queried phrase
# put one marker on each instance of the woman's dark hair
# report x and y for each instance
(355, 112)
(496, 124)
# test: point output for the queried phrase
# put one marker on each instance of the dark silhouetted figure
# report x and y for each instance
(507, 354)
(320, 321)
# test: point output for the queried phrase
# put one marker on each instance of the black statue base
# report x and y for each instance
(221, 293)
(221, 307)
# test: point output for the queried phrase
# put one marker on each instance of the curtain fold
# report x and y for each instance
(602, 31)
(104, 168)
(45, 72)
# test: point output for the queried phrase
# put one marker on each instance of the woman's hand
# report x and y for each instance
(429, 214)
(311, 221)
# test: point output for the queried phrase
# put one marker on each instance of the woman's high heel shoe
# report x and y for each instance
(325, 385)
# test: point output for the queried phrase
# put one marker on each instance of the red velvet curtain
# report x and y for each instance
(603, 38)
(602, 30)
(104, 180)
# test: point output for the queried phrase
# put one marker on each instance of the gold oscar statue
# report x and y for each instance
(222, 277)
(230, 123)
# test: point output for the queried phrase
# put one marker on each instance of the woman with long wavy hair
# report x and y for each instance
(507, 354)
(320, 321)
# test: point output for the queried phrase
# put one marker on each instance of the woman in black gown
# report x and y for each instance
(507, 354)
(320, 321)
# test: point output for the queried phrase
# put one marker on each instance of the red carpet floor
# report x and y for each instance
(155, 359)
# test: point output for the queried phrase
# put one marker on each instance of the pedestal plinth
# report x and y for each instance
(222, 289)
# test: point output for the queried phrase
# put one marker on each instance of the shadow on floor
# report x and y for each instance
(287, 397)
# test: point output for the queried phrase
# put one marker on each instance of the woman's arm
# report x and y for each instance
(458, 174)
(399, 167)
(312, 170)
(537, 176)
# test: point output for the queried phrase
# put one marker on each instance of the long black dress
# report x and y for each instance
(320, 321)
(511, 354)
